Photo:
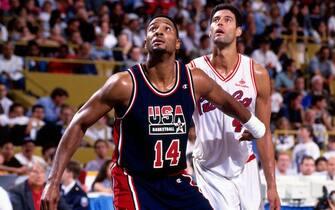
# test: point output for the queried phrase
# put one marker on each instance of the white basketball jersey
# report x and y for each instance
(217, 147)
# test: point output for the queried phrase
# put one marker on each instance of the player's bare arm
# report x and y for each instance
(116, 91)
(264, 144)
(206, 87)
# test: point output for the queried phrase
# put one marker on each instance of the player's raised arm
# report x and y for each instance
(207, 88)
(116, 91)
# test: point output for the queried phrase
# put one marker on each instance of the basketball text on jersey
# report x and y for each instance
(166, 120)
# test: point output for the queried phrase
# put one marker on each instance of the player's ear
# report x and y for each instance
(239, 31)
(178, 44)
(145, 44)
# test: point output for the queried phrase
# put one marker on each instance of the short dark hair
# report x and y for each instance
(98, 141)
(37, 106)
(320, 159)
(167, 17)
(317, 98)
(306, 157)
(59, 92)
(233, 9)
(74, 167)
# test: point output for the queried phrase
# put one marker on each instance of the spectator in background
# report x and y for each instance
(3, 29)
(36, 121)
(99, 51)
(103, 181)
(330, 152)
(285, 79)
(26, 157)
(319, 105)
(122, 48)
(5, 102)
(306, 146)
(100, 130)
(101, 151)
(85, 27)
(5, 202)
(45, 16)
(276, 101)
(135, 56)
(133, 30)
(315, 89)
(11, 164)
(331, 168)
(283, 141)
(34, 51)
(267, 58)
(307, 166)
(204, 46)
(27, 195)
(48, 153)
(319, 130)
(109, 38)
(320, 64)
(293, 111)
(85, 53)
(71, 191)
(16, 115)
(52, 104)
(321, 165)
(11, 67)
(52, 132)
(60, 67)
(190, 40)
(283, 164)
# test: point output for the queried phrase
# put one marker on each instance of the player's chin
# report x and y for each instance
(159, 50)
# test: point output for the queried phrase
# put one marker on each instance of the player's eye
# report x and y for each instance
(169, 29)
(228, 19)
(153, 28)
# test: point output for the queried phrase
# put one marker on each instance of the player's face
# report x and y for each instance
(224, 30)
(161, 36)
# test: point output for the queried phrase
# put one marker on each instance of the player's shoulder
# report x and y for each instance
(198, 61)
(259, 70)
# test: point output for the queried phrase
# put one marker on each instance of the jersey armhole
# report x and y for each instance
(132, 97)
(190, 82)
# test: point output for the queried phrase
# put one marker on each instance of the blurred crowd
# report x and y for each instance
(293, 40)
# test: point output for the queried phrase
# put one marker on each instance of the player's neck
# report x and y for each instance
(161, 72)
(224, 60)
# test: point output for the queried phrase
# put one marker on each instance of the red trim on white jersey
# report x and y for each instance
(252, 73)
(230, 75)
(157, 92)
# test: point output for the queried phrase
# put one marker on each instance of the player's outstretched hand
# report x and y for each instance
(50, 197)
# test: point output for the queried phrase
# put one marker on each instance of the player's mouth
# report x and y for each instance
(219, 32)
(158, 41)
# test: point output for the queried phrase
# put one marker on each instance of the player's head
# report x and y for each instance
(225, 25)
(162, 35)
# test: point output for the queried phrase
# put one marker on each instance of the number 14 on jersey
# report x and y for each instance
(172, 154)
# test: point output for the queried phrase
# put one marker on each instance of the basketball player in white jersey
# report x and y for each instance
(226, 168)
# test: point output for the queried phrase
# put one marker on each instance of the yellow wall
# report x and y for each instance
(80, 87)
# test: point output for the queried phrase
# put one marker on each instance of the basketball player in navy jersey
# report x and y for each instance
(154, 103)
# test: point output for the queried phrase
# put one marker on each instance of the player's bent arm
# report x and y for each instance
(263, 112)
(117, 90)
(206, 87)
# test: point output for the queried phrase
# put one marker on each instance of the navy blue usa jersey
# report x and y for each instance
(151, 133)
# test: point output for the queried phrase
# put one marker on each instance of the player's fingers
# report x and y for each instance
(246, 136)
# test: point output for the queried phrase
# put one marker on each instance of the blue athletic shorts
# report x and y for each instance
(176, 192)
